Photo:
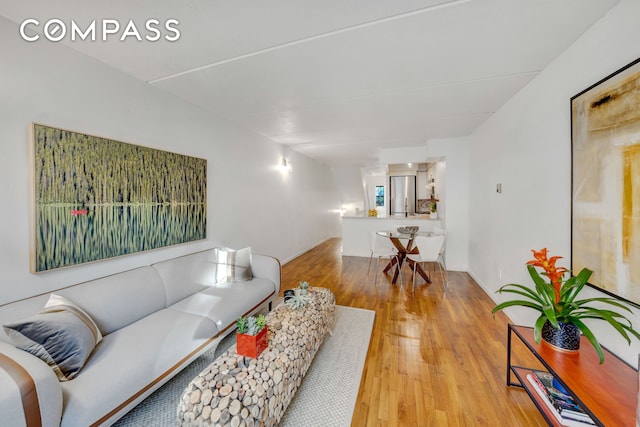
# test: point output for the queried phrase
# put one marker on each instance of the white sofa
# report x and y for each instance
(155, 320)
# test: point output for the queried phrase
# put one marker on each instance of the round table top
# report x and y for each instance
(402, 236)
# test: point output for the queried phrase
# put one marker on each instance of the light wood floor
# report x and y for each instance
(437, 359)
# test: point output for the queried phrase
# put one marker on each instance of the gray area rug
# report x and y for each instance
(326, 397)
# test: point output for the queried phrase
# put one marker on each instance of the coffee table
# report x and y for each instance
(235, 390)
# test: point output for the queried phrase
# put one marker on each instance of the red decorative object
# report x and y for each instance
(252, 345)
(76, 212)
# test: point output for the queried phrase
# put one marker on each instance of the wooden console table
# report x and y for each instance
(607, 392)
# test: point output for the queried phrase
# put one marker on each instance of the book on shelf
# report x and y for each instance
(561, 405)
(564, 403)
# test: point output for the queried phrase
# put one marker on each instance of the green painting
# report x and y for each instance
(96, 198)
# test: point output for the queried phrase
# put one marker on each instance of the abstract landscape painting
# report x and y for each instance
(606, 182)
(96, 198)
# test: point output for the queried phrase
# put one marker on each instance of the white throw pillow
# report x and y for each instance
(233, 265)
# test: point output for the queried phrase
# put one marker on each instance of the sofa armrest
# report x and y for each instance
(266, 267)
(30, 393)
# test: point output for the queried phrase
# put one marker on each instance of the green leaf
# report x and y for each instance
(544, 290)
(241, 325)
(568, 290)
(592, 339)
(619, 322)
(583, 276)
(609, 301)
(523, 303)
(521, 290)
(579, 282)
(537, 330)
(550, 314)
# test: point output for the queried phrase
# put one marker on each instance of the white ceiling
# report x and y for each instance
(336, 80)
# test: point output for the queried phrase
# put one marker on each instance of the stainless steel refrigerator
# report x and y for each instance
(402, 195)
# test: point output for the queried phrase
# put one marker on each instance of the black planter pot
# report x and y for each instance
(288, 294)
(566, 338)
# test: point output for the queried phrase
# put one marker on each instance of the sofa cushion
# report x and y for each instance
(233, 265)
(120, 299)
(112, 301)
(61, 334)
(225, 303)
(187, 274)
(129, 359)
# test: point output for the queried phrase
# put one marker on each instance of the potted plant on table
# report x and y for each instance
(299, 298)
(561, 313)
(434, 212)
(251, 335)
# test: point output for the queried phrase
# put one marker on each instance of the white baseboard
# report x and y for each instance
(303, 251)
(482, 285)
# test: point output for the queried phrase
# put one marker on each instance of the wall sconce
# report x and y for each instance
(285, 166)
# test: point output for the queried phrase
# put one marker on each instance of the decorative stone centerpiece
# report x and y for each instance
(409, 229)
(237, 391)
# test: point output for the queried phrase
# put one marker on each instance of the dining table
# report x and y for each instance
(403, 242)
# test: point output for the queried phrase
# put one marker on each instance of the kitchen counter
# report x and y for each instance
(398, 217)
(356, 230)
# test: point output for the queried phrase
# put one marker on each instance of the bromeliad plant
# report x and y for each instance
(556, 300)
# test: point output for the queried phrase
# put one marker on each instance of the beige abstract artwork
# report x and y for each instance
(606, 182)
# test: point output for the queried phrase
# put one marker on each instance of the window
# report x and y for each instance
(379, 195)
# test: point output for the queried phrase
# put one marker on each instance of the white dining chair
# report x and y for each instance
(428, 251)
(437, 231)
(381, 247)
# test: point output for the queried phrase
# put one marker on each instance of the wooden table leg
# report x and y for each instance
(396, 273)
(419, 270)
(394, 263)
(399, 260)
(390, 265)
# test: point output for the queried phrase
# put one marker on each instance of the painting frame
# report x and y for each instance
(95, 198)
(605, 183)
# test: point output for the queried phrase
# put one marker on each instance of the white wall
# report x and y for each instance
(392, 156)
(455, 195)
(350, 186)
(439, 173)
(373, 181)
(526, 146)
(250, 203)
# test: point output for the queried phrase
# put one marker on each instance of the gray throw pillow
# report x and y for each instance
(61, 334)
(233, 265)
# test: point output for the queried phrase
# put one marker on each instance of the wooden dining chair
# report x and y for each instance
(428, 251)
